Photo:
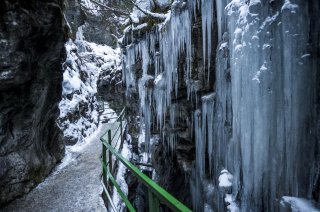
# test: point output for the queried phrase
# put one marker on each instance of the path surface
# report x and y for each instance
(73, 186)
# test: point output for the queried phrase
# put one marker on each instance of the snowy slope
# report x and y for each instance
(78, 108)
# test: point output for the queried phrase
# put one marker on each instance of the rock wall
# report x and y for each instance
(103, 25)
(32, 35)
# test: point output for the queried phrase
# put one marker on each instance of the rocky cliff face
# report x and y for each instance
(32, 35)
(233, 89)
(102, 25)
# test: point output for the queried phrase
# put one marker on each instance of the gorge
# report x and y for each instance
(222, 97)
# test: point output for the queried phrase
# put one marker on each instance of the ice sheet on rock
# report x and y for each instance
(266, 119)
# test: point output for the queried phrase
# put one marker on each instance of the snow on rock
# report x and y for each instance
(225, 179)
(140, 27)
(231, 205)
(298, 204)
(208, 208)
(289, 6)
(223, 45)
(134, 18)
(78, 108)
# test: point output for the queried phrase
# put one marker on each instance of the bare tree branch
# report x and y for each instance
(122, 12)
(148, 13)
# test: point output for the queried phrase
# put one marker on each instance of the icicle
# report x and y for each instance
(220, 5)
(200, 145)
(130, 59)
(207, 124)
(173, 41)
(207, 21)
(173, 111)
(145, 94)
(172, 142)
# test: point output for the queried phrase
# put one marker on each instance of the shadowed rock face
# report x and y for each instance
(32, 35)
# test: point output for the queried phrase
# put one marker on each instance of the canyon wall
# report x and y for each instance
(32, 36)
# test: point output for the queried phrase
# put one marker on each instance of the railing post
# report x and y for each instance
(104, 161)
(121, 137)
(153, 202)
(110, 155)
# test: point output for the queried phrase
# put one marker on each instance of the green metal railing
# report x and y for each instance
(156, 194)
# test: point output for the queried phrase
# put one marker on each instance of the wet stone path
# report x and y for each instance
(74, 185)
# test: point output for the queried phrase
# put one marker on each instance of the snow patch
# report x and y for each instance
(299, 204)
(231, 205)
(225, 179)
(289, 6)
(269, 20)
(223, 46)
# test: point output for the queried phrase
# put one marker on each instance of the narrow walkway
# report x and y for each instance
(73, 186)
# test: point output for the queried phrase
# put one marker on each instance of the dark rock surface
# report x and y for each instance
(101, 25)
(110, 86)
(32, 35)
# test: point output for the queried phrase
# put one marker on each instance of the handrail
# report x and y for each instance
(120, 116)
(163, 195)
(114, 182)
(156, 193)
(109, 197)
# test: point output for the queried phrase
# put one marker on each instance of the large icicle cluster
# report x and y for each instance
(271, 90)
(174, 38)
(255, 135)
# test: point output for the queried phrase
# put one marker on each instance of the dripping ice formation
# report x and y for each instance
(174, 38)
(256, 131)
